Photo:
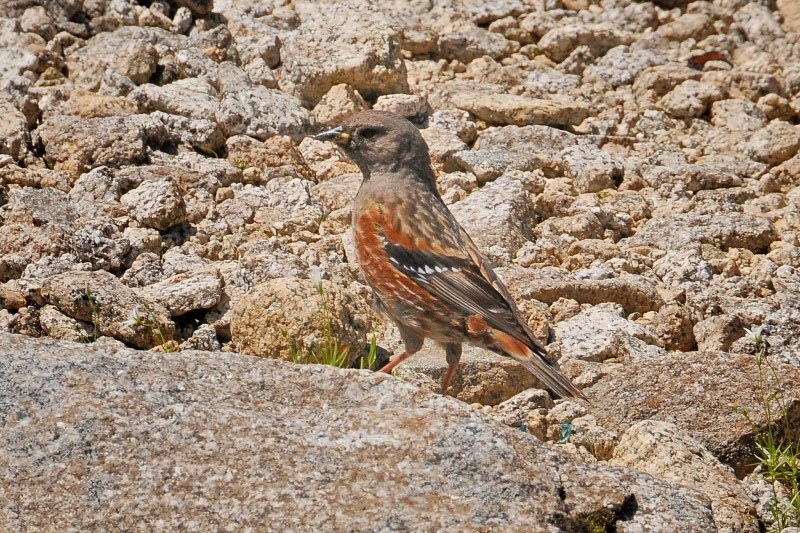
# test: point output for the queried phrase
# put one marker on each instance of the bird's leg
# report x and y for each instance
(405, 355)
(412, 341)
(453, 353)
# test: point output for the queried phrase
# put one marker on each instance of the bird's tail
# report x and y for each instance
(538, 365)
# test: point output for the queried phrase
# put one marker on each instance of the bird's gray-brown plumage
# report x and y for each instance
(427, 274)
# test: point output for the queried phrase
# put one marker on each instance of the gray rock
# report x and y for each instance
(561, 40)
(129, 52)
(156, 204)
(406, 105)
(497, 217)
(597, 334)
(444, 146)
(114, 309)
(774, 143)
(466, 42)
(737, 115)
(203, 338)
(590, 168)
(692, 177)
(14, 132)
(537, 139)
(186, 292)
(663, 450)
(255, 40)
(694, 391)
(490, 164)
(257, 111)
(691, 99)
(190, 97)
(455, 121)
(734, 230)
(202, 134)
(333, 48)
(515, 411)
(92, 396)
(521, 110)
(72, 143)
(634, 293)
(14, 62)
(97, 193)
(339, 103)
(620, 66)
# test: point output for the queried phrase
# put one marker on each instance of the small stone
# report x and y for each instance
(156, 204)
(339, 103)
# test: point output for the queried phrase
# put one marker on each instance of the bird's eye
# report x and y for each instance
(368, 133)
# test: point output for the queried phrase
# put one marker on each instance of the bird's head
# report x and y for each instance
(378, 141)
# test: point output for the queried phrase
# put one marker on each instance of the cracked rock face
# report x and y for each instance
(278, 433)
(631, 169)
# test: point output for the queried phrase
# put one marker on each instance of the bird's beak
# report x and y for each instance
(336, 135)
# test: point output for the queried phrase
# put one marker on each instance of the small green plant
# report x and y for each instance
(150, 320)
(95, 316)
(330, 351)
(777, 455)
(242, 165)
(368, 362)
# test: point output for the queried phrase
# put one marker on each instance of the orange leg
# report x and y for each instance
(453, 352)
(405, 355)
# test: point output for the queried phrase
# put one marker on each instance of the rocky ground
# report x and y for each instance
(631, 168)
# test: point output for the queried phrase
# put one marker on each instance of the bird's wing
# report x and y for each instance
(463, 279)
(446, 263)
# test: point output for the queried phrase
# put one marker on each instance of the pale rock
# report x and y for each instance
(71, 143)
(665, 451)
(444, 146)
(590, 168)
(409, 106)
(101, 299)
(561, 40)
(224, 416)
(199, 133)
(333, 48)
(718, 332)
(521, 110)
(339, 103)
(737, 115)
(734, 230)
(537, 139)
(283, 318)
(696, 26)
(516, 410)
(14, 132)
(691, 99)
(125, 50)
(257, 111)
(466, 42)
(694, 391)
(496, 217)
(489, 164)
(455, 121)
(620, 66)
(203, 338)
(156, 204)
(597, 334)
(774, 143)
(183, 293)
(634, 293)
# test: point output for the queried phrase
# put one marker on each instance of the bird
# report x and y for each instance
(426, 273)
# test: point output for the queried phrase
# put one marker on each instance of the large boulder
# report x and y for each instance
(333, 47)
(103, 437)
